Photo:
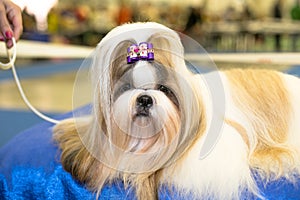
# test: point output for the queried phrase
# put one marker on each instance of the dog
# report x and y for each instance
(151, 118)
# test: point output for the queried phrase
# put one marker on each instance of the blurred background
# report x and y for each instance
(59, 34)
(227, 25)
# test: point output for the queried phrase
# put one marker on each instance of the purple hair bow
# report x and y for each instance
(143, 51)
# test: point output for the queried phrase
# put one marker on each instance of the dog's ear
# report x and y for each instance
(161, 45)
(169, 51)
(66, 134)
(75, 157)
(118, 61)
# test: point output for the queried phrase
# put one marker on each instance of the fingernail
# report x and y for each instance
(8, 34)
(1, 39)
(9, 44)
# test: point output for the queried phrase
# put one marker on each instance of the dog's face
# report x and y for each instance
(146, 112)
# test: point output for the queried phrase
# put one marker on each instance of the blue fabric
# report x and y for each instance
(30, 169)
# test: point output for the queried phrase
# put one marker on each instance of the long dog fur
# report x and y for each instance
(261, 132)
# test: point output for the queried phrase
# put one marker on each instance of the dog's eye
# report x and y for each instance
(125, 87)
(168, 93)
(120, 89)
(164, 89)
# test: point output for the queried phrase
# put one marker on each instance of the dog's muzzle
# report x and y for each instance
(143, 105)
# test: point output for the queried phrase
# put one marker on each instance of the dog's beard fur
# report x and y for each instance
(123, 140)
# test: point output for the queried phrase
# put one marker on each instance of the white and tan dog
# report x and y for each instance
(150, 120)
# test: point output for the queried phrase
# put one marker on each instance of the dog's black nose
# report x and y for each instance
(145, 101)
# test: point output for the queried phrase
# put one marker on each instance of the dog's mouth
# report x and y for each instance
(142, 113)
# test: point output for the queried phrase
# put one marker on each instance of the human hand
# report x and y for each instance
(10, 22)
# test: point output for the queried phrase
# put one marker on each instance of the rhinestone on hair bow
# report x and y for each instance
(143, 51)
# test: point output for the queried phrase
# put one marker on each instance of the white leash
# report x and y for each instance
(11, 64)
